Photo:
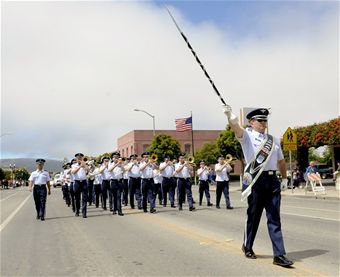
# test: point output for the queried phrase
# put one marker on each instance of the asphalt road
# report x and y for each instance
(206, 242)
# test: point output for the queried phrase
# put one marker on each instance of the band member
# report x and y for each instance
(105, 177)
(222, 169)
(90, 181)
(80, 170)
(97, 182)
(125, 184)
(265, 192)
(183, 169)
(66, 183)
(167, 170)
(203, 175)
(71, 187)
(116, 186)
(134, 181)
(39, 179)
(148, 187)
(157, 179)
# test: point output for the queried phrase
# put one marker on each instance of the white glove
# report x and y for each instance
(284, 184)
(232, 118)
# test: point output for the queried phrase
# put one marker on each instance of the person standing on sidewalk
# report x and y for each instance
(265, 192)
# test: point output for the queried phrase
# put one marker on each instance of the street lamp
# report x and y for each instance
(152, 116)
(12, 167)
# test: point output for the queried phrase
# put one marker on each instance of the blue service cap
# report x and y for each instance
(258, 114)
(40, 161)
(79, 155)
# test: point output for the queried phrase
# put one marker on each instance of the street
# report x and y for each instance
(206, 242)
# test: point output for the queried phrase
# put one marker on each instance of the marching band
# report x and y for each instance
(138, 179)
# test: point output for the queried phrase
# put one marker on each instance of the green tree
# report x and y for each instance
(21, 174)
(208, 153)
(163, 145)
(228, 144)
(2, 174)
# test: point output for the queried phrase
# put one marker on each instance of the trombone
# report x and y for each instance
(228, 158)
(191, 160)
(154, 157)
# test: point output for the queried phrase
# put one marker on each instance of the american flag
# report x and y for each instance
(183, 124)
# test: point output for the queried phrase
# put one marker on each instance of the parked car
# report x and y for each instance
(57, 180)
(325, 171)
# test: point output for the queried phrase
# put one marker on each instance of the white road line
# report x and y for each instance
(322, 210)
(11, 216)
(310, 216)
(8, 196)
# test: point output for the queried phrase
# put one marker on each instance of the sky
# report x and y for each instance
(72, 73)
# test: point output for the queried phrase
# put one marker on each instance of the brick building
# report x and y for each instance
(137, 141)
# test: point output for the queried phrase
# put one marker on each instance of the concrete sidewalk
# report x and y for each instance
(331, 192)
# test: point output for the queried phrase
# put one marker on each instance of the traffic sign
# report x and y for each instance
(289, 140)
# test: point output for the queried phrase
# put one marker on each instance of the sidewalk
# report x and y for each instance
(331, 192)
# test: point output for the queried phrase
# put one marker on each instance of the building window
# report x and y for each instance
(145, 147)
(187, 148)
(127, 151)
(123, 153)
(131, 150)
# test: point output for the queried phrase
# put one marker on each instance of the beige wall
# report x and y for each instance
(136, 140)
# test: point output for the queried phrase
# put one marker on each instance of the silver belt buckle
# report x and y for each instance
(270, 172)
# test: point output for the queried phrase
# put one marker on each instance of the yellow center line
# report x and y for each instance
(223, 245)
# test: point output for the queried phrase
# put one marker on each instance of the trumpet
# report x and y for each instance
(154, 157)
(90, 163)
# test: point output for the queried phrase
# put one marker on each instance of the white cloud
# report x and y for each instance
(72, 72)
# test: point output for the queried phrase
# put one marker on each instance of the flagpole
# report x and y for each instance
(192, 136)
(192, 146)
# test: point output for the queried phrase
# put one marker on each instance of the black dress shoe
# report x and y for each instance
(230, 208)
(84, 216)
(192, 209)
(77, 214)
(249, 253)
(145, 210)
(282, 261)
(140, 208)
(180, 208)
(173, 206)
(120, 214)
(38, 217)
(114, 212)
(152, 211)
(42, 218)
(218, 207)
(111, 210)
(210, 204)
(104, 208)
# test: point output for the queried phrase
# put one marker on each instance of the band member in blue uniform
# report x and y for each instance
(40, 181)
(183, 171)
(222, 169)
(105, 178)
(80, 171)
(203, 175)
(148, 187)
(134, 181)
(265, 192)
(116, 185)
(167, 170)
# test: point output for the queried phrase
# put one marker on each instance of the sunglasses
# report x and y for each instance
(261, 120)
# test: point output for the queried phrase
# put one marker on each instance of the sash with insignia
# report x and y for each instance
(254, 169)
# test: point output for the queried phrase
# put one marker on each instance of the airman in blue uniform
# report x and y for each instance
(266, 191)
(40, 182)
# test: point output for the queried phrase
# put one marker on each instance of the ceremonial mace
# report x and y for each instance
(197, 59)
